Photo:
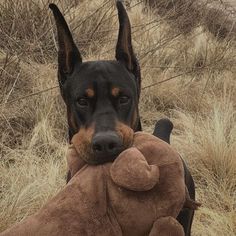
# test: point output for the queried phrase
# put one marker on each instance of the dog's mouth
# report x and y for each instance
(98, 159)
(102, 147)
(96, 156)
(91, 157)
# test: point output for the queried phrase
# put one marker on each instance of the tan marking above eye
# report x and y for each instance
(90, 92)
(115, 92)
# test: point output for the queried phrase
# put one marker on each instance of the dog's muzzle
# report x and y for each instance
(106, 146)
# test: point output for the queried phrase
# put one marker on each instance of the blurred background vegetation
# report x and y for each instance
(187, 53)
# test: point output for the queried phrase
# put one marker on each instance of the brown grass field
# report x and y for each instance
(193, 78)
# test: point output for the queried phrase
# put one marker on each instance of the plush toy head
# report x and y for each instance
(148, 177)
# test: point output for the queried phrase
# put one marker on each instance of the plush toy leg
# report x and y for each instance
(167, 226)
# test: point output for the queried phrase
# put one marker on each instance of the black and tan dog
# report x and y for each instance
(102, 98)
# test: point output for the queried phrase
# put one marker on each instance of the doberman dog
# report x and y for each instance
(102, 98)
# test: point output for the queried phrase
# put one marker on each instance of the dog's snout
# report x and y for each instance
(106, 144)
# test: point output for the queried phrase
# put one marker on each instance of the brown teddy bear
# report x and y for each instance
(140, 193)
(145, 185)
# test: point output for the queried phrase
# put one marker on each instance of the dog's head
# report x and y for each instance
(101, 96)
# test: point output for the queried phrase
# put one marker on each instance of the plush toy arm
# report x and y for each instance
(131, 171)
(74, 162)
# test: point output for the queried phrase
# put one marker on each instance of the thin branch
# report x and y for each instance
(165, 80)
(13, 86)
(30, 95)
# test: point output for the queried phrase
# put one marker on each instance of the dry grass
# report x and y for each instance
(199, 96)
(208, 143)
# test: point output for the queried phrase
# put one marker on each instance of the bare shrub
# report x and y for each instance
(185, 15)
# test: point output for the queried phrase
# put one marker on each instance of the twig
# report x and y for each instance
(89, 16)
(30, 95)
(165, 80)
(13, 86)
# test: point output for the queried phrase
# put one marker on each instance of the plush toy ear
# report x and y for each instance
(130, 170)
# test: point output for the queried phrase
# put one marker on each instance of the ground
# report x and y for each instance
(188, 76)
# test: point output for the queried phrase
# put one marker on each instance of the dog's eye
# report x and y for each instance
(123, 99)
(83, 102)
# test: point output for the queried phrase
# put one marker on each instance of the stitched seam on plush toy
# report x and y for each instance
(109, 206)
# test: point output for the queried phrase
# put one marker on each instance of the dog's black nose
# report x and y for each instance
(106, 144)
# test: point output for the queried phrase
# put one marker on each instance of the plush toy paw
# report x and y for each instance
(130, 170)
(167, 226)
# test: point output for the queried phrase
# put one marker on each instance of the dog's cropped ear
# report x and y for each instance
(124, 49)
(68, 53)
